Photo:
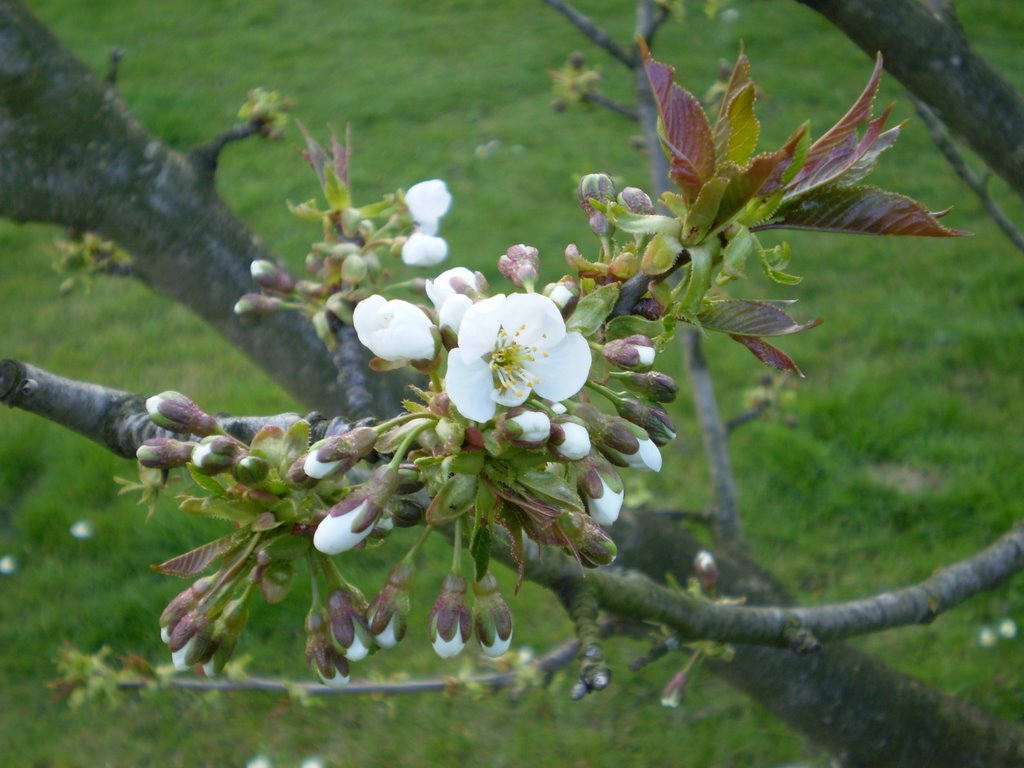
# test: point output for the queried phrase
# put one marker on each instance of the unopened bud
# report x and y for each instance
(164, 453)
(176, 412)
(654, 385)
(596, 186)
(706, 570)
(654, 420)
(492, 619)
(635, 353)
(570, 439)
(251, 470)
(520, 264)
(593, 546)
(449, 620)
(388, 614)
(257, 304)
(565, 293)
(636, 201)
(271, 277)
(326, 660)
(345, 611)
(216, 454)
(339, 453)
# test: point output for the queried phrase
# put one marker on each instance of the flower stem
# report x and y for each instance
(457, 547)
(424, 534)
(403, 449)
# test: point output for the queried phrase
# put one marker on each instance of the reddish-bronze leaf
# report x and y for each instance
(767, 354)
(751, 318)
(686, 132)
(196, 560)
(858, 114)
(859, 210)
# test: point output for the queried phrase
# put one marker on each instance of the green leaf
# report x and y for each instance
(698, 280)
(194, 561)
(640, 223)
(551, 487)
(859, 210)
(744, 127)
(750, 318)
(774, 260)
(739, 82)
(592, 310)
(660, 255)
(480, 541)
(205, 482)
(629, 325)
(456, 498)
(335, 190)
(734, 259)
(704, 210)
(276, 581)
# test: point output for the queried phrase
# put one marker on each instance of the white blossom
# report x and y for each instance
(8, 565)
(82, 530)
(498, 647)
(450, 304)
(428, 201)
(394, 330)
(510, 346)
(334, 534)
(605, 510)
(423, 250)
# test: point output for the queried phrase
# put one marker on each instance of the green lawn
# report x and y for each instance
(903, 451)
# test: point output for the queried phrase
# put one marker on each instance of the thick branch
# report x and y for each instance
(71, 154)
(925, 49)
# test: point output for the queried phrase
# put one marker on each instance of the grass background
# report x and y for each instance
(905, 454)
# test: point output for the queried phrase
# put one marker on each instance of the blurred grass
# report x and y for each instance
(905, 452)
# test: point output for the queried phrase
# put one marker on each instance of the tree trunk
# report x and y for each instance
(72, 154)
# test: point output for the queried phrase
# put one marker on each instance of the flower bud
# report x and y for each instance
(593, 546)
(706, 570)
(527, 429)
(328, 662)
(164, 453)
(570, 439)
(257, 304)
(635, 353)
(565, 293)
(636, 201)
(339, 453)
(492, 619)
(598, 186)
(520, 264)
(455, 498)
(216, 454)
(405, 513)
(351, 520)
(348, 626)
(449, 621)
(427, 202)
(270, 277)
(601, 489)
(185, 602)
(423, 250)
(176, 412)
(388, 614)
(251, 470)
(654, 385)
(654, 420)
(226, 631)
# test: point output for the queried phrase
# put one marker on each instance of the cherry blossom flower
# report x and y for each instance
(428, 201)
(423, 250)
(450, 303)
(510, 346)
(394, 330)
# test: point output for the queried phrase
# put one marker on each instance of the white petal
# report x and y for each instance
(334, 534)
(318, 469)
(453, 310)
(469, 384)
(366, 317)
(577, 441)
(536, 426)
(442, 286)
(511, 397)
(478, 333)
(535, 319)
(428, 200)
(165, 634)
(404, 339)
(337, 680)
(179, 656)
(446, 649)
(564, 370)
(646, 355)
(648, 457)
(424, 250)
(605, 510)
(561, 295)
(387, 639)
(358, 650)
(498, 648)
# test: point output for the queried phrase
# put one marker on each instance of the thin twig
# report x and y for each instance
(970, 178)
(593, 32)
(618, 107)
(546, 665)
(747, 416)
(207, 155)
(650, 20)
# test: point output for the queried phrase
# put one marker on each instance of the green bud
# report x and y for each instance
(176, 412)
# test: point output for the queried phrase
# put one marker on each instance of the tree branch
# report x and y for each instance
(592, 32)
(207, 155)
(971, 179)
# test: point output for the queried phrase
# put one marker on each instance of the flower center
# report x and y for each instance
(508, 364)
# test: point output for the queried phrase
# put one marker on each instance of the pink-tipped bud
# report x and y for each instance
(176, 412)
(595, 186)
(636, 201)
(520, 264)
(449, 621)
(164, 453)
(388, 614)
(492, 619)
